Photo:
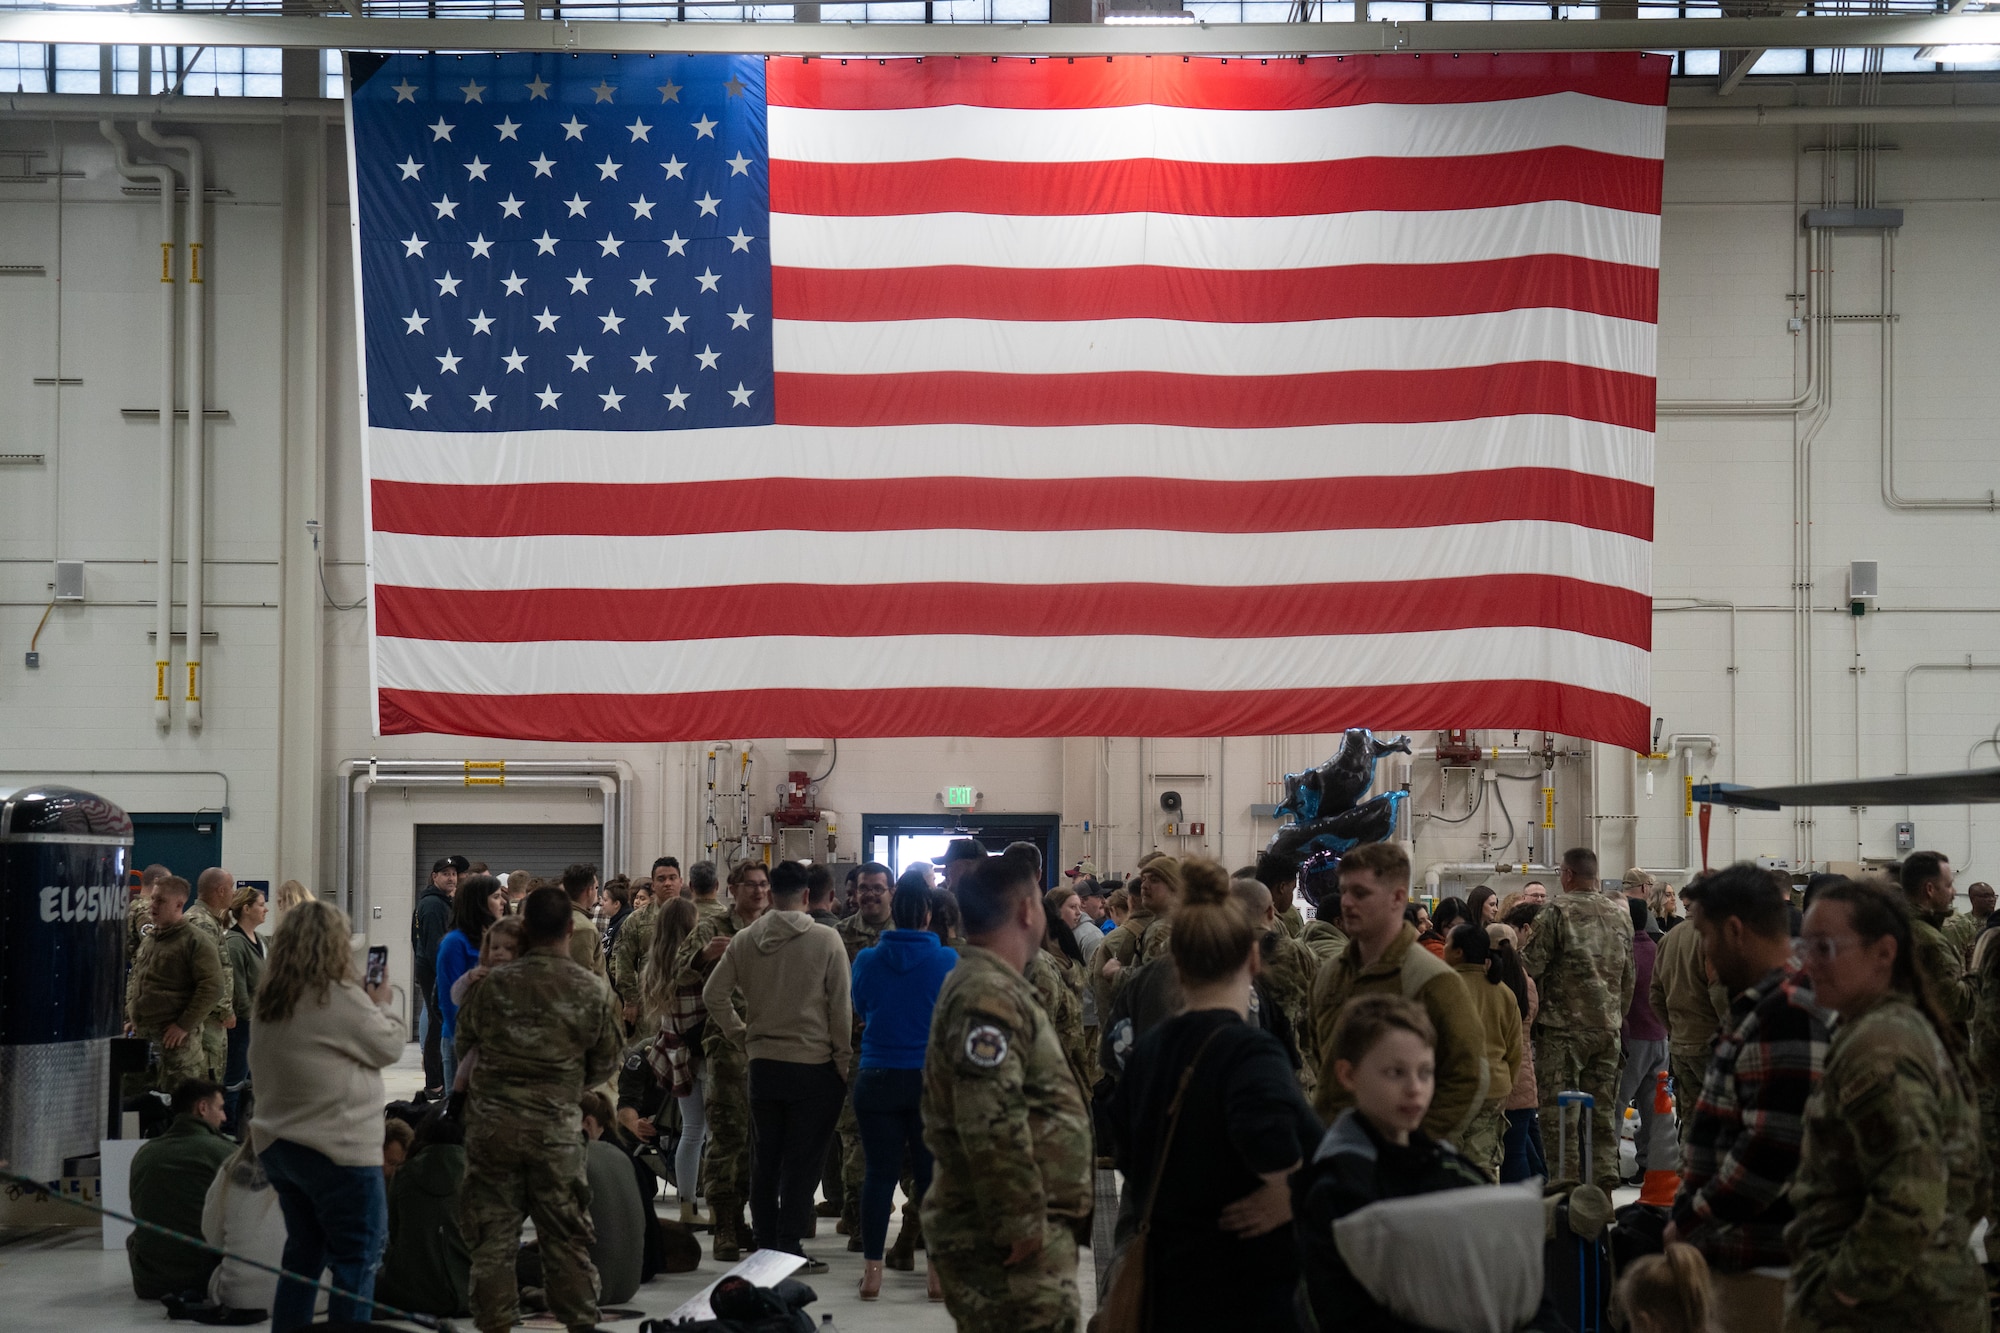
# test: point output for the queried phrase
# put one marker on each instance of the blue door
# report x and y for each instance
(186, 844)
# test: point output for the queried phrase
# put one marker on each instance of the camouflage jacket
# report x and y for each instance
(1693, 1007)
(857, 934)
(628, 956)
(138, 925)
(1943, 969)
(211, 925)
(1292, 921)
(1985, 1056)
(586, 944)
(690, 968)
(545, 1029)
(1058, 983)
(1122, 944)
(1890, 1182)
(1324, 938)
(177, 979)
(1289, 968)
(1003, 1114)
(1963, 930)
(1580, 955)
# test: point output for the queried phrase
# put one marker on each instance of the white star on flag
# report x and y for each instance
(643, 361)
(576, 204)
(707, 204)
(609, 246)
(739, 165)
(481, 322)
(740, 241)
(674, 168)
(640, 130)
(573, 129)
(642, 207)
(507, 126)
(603, 90)
(676, 399)
(480, 246)
(514, 283)
(447, 285)
(414, 248)
(538, 90)
(705, 128)
(708, 356)
(607, 170)
(612, 321)
(611, 399)
(510, 207)
(642, 285)
(415, 322)
(448, 364)
(708, 280)
(741, 395)
(446, 207)
(482, 401)
(441, 130)
(542, 165)
(548, 395)
(545, 322)
(475, 170)
(406, 91)
(418, 400)
(739, 318)
(580, 360)
(676, 321)
(675, 245)
(411, 168)
(472, 91)
(545, 244)
(579, 285)
(515, 360)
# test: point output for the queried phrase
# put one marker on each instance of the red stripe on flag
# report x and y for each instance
(1216, 189)
(1242, 402)
(1014, 504)
(618, 718)
(663, 615)
(1221, 296)
(1254, 84)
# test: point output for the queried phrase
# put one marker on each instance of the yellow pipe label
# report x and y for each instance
(1688, 811)
(1548, 807)
(194, 682)
(486, 772)
(194, 263)
(166, 261)
(160, 680)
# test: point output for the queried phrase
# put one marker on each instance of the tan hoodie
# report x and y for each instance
(792, 973)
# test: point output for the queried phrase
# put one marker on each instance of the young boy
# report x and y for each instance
(1383, 1048)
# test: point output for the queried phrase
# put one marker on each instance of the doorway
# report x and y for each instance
(186, 843)
(897, 841)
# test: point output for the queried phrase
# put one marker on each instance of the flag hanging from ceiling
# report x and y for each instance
(723, 396)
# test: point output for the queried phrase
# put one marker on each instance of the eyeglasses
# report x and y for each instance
(1822, 949)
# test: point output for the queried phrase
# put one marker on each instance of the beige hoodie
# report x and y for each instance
(793, 975)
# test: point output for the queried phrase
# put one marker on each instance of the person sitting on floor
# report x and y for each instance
(170, 1180)
(617, 1214)
(241, 1215)
(427, 1268)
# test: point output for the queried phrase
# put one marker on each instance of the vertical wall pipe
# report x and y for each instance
(163, 621)
(197, 437)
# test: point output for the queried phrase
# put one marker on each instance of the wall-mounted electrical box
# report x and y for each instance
(69, 581)
(1906, 837)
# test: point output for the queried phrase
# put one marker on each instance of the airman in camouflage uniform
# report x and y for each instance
(1005, 1119)
(545, 1030)
(586, 946)
(1984, 1057)
(628, 956)
(1289, 969)
(1927, 885)
(1965, 928)
(1123, 945)
(1580, 955)
(725, 1162)
(1890, 1182)
(1324, 938)
(1058, 983)
(175, 982)
(214, 1035)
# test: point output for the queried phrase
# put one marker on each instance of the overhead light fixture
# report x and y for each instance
(1150, 18)
(1965, 55)
(88, 4)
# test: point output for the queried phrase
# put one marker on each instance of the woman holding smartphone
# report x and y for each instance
(317, 1051)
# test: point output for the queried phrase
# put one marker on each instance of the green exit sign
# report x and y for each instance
(958, 796)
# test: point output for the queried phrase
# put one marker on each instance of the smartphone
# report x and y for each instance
(378, 965)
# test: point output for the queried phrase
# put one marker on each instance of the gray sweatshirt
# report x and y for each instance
(792, 973)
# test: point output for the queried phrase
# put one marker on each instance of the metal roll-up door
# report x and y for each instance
(539, 849)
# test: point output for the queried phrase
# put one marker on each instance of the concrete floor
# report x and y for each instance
(60, 1280)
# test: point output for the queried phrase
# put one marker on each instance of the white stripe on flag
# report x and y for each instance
(997, 662)
(1194, 453)
(1175, 240)
(1012, 347)
(950, 555)
(1194, 134)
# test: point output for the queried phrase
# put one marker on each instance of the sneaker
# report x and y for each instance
(811, 1268)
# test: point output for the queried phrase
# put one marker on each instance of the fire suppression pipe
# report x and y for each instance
(197, 436)
(163, 621)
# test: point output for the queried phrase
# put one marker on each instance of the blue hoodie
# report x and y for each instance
(896, 984)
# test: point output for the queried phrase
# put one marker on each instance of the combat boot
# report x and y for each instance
(902, 1256)
(850, 1227)
(728, 1222)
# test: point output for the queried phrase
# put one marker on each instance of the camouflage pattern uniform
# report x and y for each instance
(857, 935)
(138, 925)
(586, 945)
(1121, 944)
(1984, 1058)
(1292, 921)
(1324, 939)
(628, 956)
(545, 1030)
(1943, 969)
(1289, 968)
(177, 978)
(1580, 955)
(1890, 1182)
(1058, 983)
(214, 1039)
(1963, 929)
(725, 1162)
(1694, 1009)
(1005, 1119)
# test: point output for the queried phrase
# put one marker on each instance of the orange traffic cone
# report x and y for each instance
(1660, 1186)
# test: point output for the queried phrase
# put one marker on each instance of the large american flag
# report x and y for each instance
(713, 396)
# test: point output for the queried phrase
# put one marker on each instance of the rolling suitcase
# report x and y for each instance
(1576, 1257)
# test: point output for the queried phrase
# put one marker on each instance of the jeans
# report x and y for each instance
(448, 1051)
(336, 1217)
(887, 1106)
(1656, 1143)
(793, 1110)
(1524, 1160)
(235, 1072)
(432, 1026)
(694, 1134)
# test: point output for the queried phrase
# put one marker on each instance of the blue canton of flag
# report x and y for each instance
(563, 242)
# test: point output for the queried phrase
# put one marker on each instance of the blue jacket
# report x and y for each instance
(456, 956)
(895, 987)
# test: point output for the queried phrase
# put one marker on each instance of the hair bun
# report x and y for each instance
(1203, 882)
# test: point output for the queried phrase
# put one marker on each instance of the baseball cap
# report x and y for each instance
(444, 863)
(1636, 878)
(962, 849)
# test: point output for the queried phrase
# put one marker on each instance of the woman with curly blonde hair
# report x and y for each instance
(317, 1051)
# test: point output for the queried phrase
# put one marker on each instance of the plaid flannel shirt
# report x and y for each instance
(1749, 1123)
(672, 1054)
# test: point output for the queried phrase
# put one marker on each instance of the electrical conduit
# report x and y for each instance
(197, 332)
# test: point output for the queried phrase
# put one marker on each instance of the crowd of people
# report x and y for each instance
(1243, 1110)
